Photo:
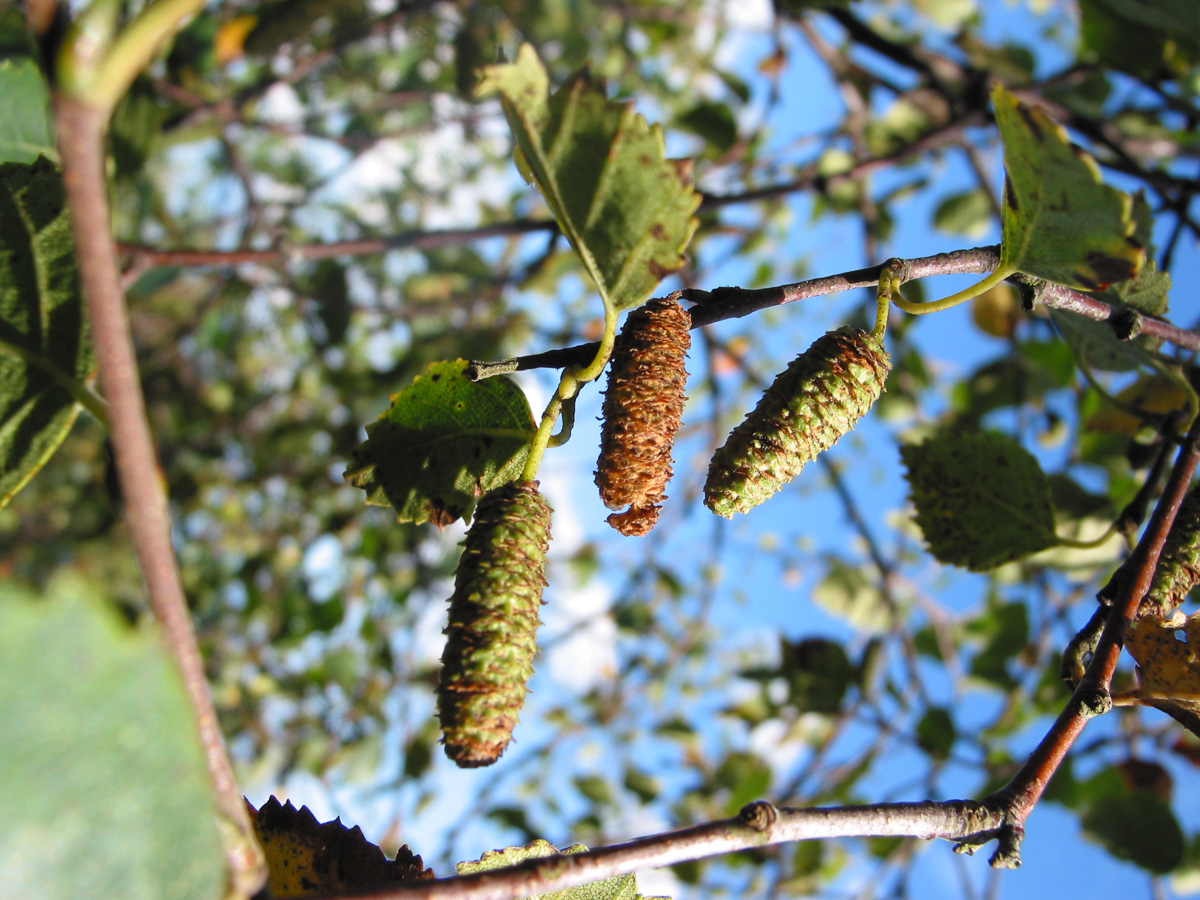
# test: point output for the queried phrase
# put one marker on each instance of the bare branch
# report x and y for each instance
(758, 825)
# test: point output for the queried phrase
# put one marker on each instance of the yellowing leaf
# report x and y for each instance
(230, 41)
(625, 208)
(1060, 221)
(1168, 668)
(305, 858)
(445, 441)
(1153, 395)
(997, 311)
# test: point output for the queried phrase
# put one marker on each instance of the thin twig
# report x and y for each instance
(724, 303)
(80, 129)
(758, 825)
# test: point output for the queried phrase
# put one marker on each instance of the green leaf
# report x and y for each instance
(1137, 826)
(44, 350)
(846, 592)
(1004, 629)
(982, 500)
(1098, 347)
(1060, 221)
(1143, 37)
(714, 122)
(135, 129)
(968, 213)
(818, 674)
(935, 732)
(25, 113)
(625, 208)
(1147, 293)
(746, 777)
(98, 729)
(445, 441)
(619, 887)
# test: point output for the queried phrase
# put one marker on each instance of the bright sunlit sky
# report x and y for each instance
(755, 600)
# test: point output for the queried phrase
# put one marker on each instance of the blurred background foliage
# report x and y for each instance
(333, 156)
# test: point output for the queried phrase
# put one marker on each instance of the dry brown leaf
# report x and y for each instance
(306, 858)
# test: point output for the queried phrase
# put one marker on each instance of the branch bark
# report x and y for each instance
(758, 825)
(80, 129)
(724, 303)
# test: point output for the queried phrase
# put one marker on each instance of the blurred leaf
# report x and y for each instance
(981, 499)
(935, 732)
(1153, 395)
(714, 122)
(1136, 826)
(445, 441)
(818, 674)
(997, 311)
(1144, 37)
(645, 786)
(98, 728)
(25, 132)
(1061, 222)
(44, 349)
(134, 129)
(625, 208)
(1097, 346)
(1004, 629)
(330, 292)
(845, 591)
(594, 787)
(968, 213)
(745, 776)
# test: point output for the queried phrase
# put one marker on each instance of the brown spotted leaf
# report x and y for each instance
(305, 858)
(445, 441)
(1060, 221)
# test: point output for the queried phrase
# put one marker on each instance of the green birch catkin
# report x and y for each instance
(643, 406)
(491, 637)
(1178, 569)
(812, 403)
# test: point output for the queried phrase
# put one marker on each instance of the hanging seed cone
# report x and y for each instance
(642, 409)
(811, 404)
(1178, 569)
(491, 637)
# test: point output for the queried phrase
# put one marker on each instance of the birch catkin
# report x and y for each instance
(812, 403)
(491, 637)
(643, 406)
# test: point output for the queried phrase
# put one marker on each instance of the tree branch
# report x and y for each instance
(758, 825)
(80, 129)
(1091, 697)
(724, 303)
(148, 257)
